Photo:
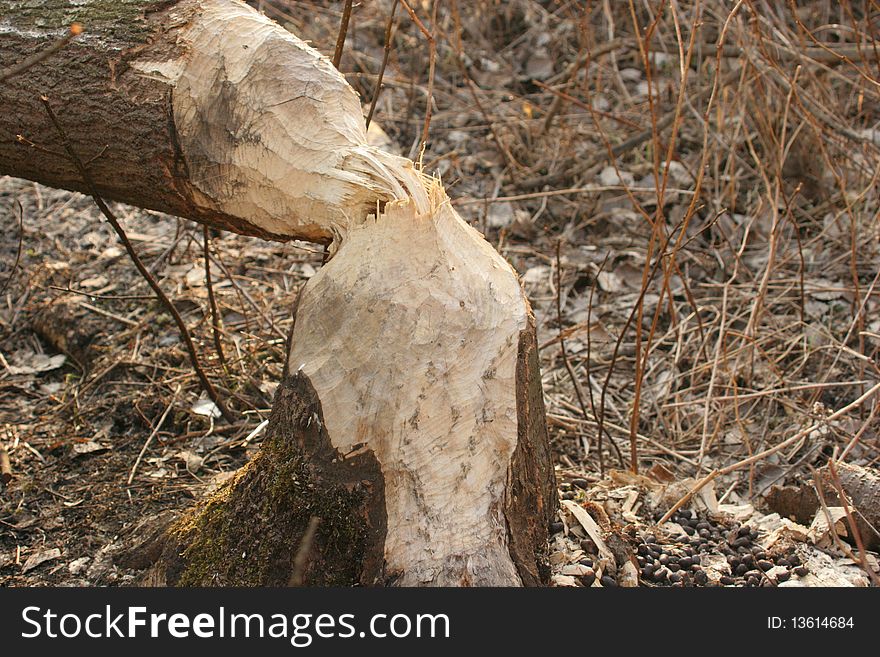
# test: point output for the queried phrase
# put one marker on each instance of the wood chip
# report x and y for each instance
(40, 558)
(591, 527)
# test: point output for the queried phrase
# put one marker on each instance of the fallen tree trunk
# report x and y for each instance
(411, 420)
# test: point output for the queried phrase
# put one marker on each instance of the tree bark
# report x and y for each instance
(862, 487)
(410, 421)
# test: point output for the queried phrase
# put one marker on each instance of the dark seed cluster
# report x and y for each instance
(676, 565)
(679, 564)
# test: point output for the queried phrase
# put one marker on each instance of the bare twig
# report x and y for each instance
(588, 363)
(152, 435)
(18, 250)
(212, 302)
(5, 466)
(767, 452)
(343, 31)
(432, 57)
(166, 302)
(562, 349)
(75, 30)
(389, 28)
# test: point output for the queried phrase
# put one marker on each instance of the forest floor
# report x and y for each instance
(697, 227)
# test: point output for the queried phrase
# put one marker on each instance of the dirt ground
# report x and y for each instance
(697, 227)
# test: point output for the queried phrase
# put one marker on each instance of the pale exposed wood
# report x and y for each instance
(201, 108)
(410, 337)
(271, 131)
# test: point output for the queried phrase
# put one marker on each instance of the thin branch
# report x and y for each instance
(75, 30)
(18, 251)
(767, 452)
(152, 435)
(389, 26)
(432, 57)
(343, 31)
(166, 302)
(215, 316)
(562, 349)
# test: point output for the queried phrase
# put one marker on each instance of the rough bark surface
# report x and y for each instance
(531, 494)
(862, 486)
(249, 532)
(200, 108)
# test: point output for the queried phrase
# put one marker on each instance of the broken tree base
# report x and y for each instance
(249, 532)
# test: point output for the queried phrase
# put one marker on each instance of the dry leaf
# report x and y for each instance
(39, 558)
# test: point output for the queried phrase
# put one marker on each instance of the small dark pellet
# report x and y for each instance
(608, 581)
(588, 577)
(765, 565)
(726, 580)
(801, 571)
(783, 576)
(556, 527)
(741, 569)
(583, 484)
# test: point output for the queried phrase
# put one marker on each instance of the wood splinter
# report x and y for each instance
(5, 466)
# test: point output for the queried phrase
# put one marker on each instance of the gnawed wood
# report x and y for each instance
(201, 108)
(862, 486)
